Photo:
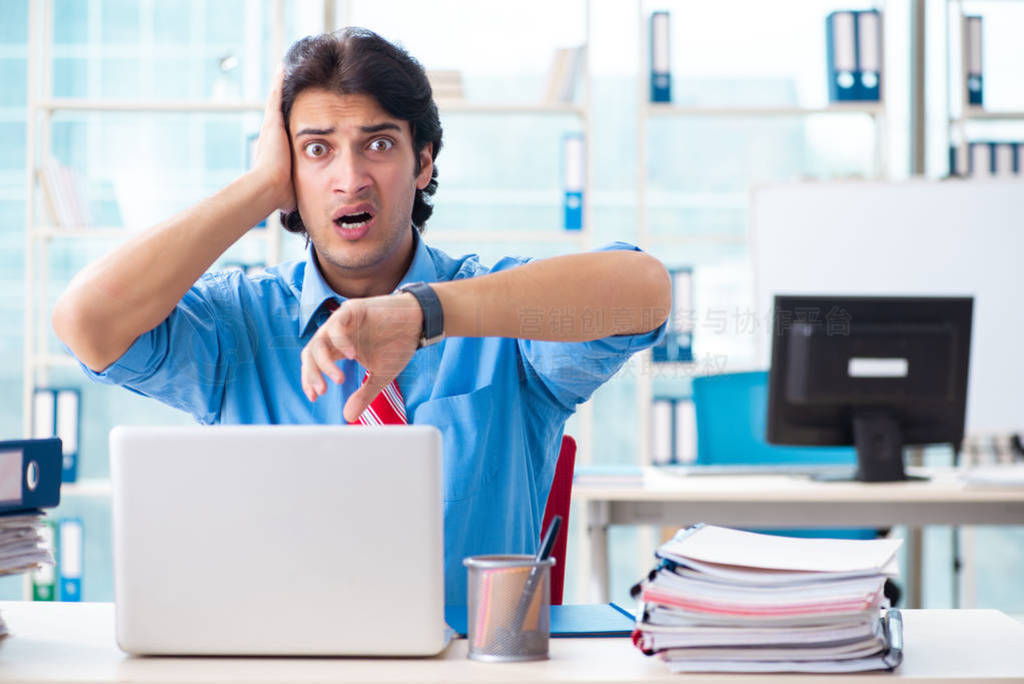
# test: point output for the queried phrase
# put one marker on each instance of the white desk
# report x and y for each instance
(785, 501)
(55, 642)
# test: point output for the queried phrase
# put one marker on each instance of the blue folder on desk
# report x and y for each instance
(582, 620)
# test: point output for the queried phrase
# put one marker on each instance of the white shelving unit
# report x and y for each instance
(647, 110)
(38, 360)
(962, 114)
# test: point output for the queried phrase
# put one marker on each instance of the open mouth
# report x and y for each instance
(351, 221)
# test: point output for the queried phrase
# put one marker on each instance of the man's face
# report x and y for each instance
(354, 170)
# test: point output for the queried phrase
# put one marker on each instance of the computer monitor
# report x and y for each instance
(878, 373)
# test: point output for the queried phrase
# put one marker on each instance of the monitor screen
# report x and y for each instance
(878, 373)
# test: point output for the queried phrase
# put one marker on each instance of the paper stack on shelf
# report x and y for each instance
(567, 65)
(63, 196)
(725, 600)
(20, 550)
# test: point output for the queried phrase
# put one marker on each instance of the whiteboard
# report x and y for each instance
(912, 238)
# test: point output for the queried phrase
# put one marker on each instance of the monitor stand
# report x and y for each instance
(879, 441)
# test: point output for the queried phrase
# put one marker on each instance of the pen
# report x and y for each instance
(535, 573)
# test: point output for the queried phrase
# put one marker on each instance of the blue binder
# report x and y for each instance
(56, 412)
(972, 56)
(661, 78)
(854, 55)
(32, 474)
(574, 167)
(677, 344)
(869, 55)
(841, 43)
(70, 537)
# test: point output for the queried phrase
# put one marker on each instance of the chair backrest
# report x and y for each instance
(732, 410)
(558, 504)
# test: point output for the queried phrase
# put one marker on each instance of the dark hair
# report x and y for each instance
(356, 61)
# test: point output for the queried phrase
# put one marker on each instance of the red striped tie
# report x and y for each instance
(387, 409)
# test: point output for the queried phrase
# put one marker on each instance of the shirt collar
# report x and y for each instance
(315, 290)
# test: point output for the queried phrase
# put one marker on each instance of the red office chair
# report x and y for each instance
(558, 504)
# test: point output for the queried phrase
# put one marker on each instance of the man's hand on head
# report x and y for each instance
(274, 150)
(381, 333)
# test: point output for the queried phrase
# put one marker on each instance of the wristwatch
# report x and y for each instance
(433, 315)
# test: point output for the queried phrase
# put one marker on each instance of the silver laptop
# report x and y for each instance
(278, 540)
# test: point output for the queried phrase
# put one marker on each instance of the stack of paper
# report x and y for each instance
(726, 600)
(20, 549)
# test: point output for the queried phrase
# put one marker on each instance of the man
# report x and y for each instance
(347, 151)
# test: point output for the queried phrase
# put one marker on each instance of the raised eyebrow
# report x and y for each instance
(314, 131)
(377, 128)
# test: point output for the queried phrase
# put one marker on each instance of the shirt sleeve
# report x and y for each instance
(181, 362)
(570, 372)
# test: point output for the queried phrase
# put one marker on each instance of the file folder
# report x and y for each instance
(869, 55)
(685, 431)
(677, 345)
(251, 144)
(30, 474)
(981, 162)
(661, 78)
(854, 53)
(69, 536)
(972, 59)
(1004, 163)
(44, 579)
(56, 413)
(840, 32)
(574, 166)
(662, 428)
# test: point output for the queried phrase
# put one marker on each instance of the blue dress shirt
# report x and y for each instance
(229, 353)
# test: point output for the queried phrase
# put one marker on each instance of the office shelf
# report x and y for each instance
(445, 106)
(666, 109)
(147, 106)
(449, 106)
(54, 361)
(648, 200)
(710, 239)
(975, 114)
(96, 487)
(111, 233)
(553, 236)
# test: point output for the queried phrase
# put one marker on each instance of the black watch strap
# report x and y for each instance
(433, 314)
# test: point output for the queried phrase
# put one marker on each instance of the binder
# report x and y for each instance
(677, 345)
(69, 537)
(685, 424)
(958, 164)
(44, 579)
(981, 160)
(251, 142)
(972, 60)
(1004, 163)
(854, 54)
(574, 167)
(662, 428)
(56, 412)
(30, 474)
(661, 77)
(840, 38)
(869, 55)
(674, 427)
